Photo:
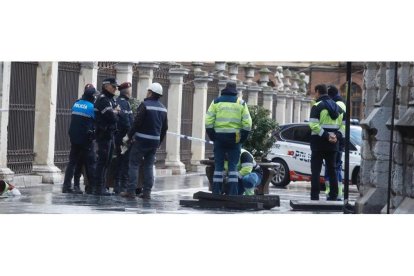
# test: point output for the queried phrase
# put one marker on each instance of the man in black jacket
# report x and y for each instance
(106, 112)
(125, 122)
(147, 133)
(325, 123)
(81, 133)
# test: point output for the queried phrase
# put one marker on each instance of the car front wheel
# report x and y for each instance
(281, 178)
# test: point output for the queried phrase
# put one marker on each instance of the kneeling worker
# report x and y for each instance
(250, 174)
(8, 190)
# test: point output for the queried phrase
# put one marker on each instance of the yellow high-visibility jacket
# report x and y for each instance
(228, 119)
(326, 116)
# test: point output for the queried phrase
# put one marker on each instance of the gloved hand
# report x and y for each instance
(125, 140)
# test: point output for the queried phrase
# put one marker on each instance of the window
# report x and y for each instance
(300, 134)
(356, 100)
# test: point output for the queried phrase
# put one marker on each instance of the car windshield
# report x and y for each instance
(356, 136)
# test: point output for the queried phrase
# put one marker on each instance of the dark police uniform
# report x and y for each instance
(81, 133)
(148, 132)
(125, 122)
(106, 121)
(326, 116)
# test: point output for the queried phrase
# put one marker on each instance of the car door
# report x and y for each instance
(298, 141)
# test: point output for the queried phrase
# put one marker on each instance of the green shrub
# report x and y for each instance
(261, 139)
(134, 104)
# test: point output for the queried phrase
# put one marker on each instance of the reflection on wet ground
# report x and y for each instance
(167, 193)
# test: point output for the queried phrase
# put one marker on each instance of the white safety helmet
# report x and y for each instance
(156, 88)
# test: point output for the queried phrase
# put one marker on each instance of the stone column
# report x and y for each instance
(233, 70)
(88, 74)
(369, 86)
(220, 67)
(197, 68)
(403, 89)
(5, 70)
(45, 122)
(124, 72)
(289, 97)
(375, 149)
(281, 108)
(240, 88)
(249, 73)
(252, 93)
(297, 108)
(175, 95)
(146, 74)
(268, 99)
(289, 109)
(264, 76)
(403, 143)
(380, 84)
(373, 80)
(306, 107)
(198, 129)
(402, 188)
(297, 99)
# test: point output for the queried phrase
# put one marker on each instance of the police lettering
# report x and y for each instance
(83, 106)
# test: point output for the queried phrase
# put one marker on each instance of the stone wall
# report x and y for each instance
(378, 89)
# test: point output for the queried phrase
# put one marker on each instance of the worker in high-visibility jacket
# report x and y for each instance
(325, 123)
(8, 190)
(250, 174)
(333, 93)
(228, 124)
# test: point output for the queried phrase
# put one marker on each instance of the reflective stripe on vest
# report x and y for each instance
(146, 136)
(156, 108)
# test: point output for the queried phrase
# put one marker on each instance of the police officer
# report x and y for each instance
(325, 123)
(125, 122)
(228, 124)
(333, 93)
(82, 134)
(106, 112)
(146, 134)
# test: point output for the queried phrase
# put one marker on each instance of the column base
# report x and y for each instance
(406, 207)
(6, 174)
(50, 173)
(177, 167)
(196, 166)
(372, 202)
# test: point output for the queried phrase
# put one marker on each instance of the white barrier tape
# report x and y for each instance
(190, 138)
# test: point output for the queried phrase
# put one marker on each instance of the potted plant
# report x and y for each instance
(261, 138)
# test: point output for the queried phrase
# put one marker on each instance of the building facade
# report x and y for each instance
(376, 174)
(36, 100)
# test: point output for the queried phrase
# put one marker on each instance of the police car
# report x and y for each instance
(292, 152)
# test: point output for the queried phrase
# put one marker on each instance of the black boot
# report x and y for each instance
(101, 192)
(67, 190)
(77, 190)
(117, 187)
(145, 195)
(138, 191)
(88, 190)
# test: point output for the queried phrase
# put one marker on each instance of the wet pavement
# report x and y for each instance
(167, 192)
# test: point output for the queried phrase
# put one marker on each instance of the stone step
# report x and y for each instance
(163, 172)
(316, 205)
(268, 201)
(27, 180)
(210, 204)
